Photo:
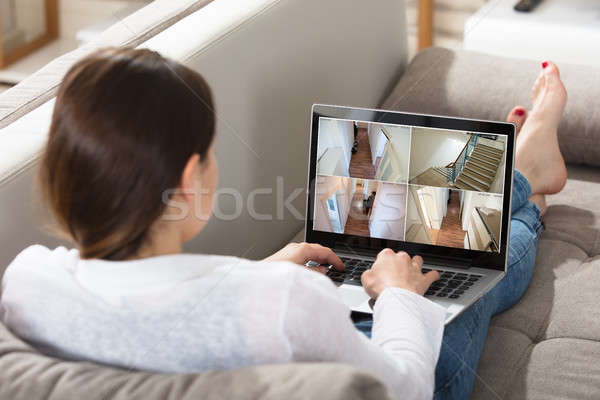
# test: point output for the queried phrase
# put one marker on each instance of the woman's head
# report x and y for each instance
(130, 130)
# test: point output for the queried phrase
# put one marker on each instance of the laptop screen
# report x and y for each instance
(397, 182)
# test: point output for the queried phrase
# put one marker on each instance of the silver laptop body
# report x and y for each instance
(433, 186)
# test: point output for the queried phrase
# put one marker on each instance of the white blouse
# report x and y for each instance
(192, 313)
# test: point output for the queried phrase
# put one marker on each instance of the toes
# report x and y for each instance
(517, 116)
(549, 68)
(538, 86)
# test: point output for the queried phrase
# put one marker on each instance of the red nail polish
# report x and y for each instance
(544, 64)
(520, 112)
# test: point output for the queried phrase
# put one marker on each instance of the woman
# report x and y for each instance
(130, 127)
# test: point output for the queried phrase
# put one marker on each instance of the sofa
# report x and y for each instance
(267, 62)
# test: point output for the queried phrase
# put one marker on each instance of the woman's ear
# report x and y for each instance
(186, 184)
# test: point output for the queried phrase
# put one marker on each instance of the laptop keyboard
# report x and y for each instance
(451, 285)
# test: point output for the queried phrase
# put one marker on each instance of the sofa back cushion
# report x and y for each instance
(267, 62)
(473, 85)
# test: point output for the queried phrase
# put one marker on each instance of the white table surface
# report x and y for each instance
(560, 30)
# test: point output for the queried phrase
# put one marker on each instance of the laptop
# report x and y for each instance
(433, 186)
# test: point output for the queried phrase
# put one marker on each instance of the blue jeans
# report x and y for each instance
(464, 337)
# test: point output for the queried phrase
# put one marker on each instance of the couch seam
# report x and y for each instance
(521, 364)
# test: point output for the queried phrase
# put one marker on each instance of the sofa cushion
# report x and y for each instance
(27, 375)
(548, 345)
(473, 85)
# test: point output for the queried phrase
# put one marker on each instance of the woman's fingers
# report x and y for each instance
(323, 255)
(418, 260)
(431, 277)
(417, 264)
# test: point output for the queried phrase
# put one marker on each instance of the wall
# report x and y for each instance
(435, 202)
(377, 140)
(477, 199)
(77, 14)
(497, 184)
(412, 214)
(73, 15)
(333, 133)
(388, 216)
(7, 16)
(434, 148)
(401, 137)
(30, 17)
(324, 188)
(449, 21)
(414, 217)
(346, 192)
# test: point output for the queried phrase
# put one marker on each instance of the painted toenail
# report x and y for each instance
(544, 64)
(520, 112)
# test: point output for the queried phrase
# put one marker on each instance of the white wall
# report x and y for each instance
(346, 192)
(389, 211)
(413, 218)
(73, 15)
(435, 204)
(471, 200)
(401, 137)
(412, 214)
(77, 14)
(7, 15)
(434, 148)
(377, 140)
(30, 17)
(334, 133)
(497, 185)
(326, 186)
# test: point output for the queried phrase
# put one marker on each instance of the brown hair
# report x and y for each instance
(125, 123)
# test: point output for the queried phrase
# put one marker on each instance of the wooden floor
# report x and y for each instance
(451, 233)
(358, 221)
(430, 178)
(361, 163)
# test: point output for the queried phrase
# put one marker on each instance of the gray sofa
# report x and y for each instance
(546, 347)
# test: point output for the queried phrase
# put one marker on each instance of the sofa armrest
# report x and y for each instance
(473, 85)
(26, 374)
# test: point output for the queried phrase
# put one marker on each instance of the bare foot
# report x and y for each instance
(517, 116)
(548, 94)
(538, 156)
(540, 201)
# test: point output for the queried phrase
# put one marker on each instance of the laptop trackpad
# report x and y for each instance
(355, 298)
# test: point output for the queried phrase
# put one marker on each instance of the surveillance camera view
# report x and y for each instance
(413, 184)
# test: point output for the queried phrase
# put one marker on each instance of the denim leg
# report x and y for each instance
(521, 192)
(465, 336)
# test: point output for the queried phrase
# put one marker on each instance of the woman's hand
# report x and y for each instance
(301, 253)
(399, 270)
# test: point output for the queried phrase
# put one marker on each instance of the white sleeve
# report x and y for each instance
(406, 338)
